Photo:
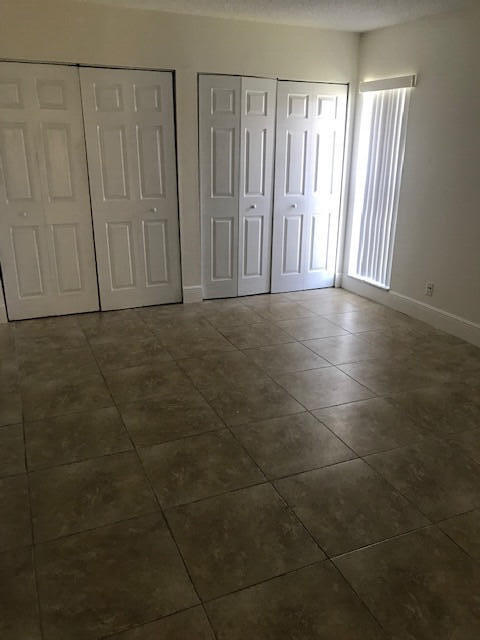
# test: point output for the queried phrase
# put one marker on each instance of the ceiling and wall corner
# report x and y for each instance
(343, 15)
(438, 227)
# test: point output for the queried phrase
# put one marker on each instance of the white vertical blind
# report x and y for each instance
(378, 176)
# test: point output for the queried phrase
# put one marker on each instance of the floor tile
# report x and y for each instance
(235, 540)
(285, 358)
(153, 316)
(130, 352)
(54, 326)
(458, 358)
(62, 332)
(435, 476)
(8, 366)
(356, 321)
(291, 444)
(256, 335)
(310, 328)
(135, 383)
(441, 409)
(469, 442)
(75, 436)
(420, 586)
(99, 582)
(393, 375)
(10, 403)
(217, 370)
(152, 421)
(44, 344)
(345, 349)
(237, 316)
(88, 494)
(264, 299)
(186, 625)
(314, 603)
(275, 311)
(54, 396)
(322, 387)
(329, 305)
(194, 341)
(15, 530)
(464, 529)
(7, 338)
(111, 325)
(19, 617)
(370, 426)
(57, 363)
(12, 450)
(260, 399)
(198, 467)
(347, 506)
(397, 342)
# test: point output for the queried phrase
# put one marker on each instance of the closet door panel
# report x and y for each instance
(257, 127)
(46, 243)
(308, 174)
(219, 147)
(328, 133)
(130, 134)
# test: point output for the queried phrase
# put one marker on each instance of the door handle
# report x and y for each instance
(154, 210)
(253, 206)
(24, 214)
(294, 205)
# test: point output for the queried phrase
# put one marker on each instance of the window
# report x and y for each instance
(378, 176)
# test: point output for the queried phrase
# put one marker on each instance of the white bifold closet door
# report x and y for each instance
(308, 177)
(46, 243)
(237, 127)
(130, 135)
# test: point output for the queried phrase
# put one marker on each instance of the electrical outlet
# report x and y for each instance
(429, 288)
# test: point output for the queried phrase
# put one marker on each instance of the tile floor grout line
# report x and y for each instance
(445, 533)
(410, 502)
(33, 554)
(319, 561)
(442, 437)
(268, 480)
(361, 600)
(164, 518)
(148, 622)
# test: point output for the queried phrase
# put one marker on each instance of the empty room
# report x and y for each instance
(239, 320)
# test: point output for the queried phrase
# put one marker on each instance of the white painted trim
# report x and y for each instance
(383, 84)
(192, 294)
(3, 308)
(438, 318)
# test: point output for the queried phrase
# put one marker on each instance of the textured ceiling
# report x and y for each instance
(348, 15)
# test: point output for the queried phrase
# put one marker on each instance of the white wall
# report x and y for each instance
(66, 31)
(438, 230)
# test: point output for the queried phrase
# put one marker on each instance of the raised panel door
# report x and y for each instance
(46, 240)
(219, 150)
(129, 126)
(308, 175)
(257, 132)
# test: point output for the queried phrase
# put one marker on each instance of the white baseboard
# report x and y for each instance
(438, 318)
(192, 294)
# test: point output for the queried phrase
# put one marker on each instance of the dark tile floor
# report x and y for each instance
(302, 466)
